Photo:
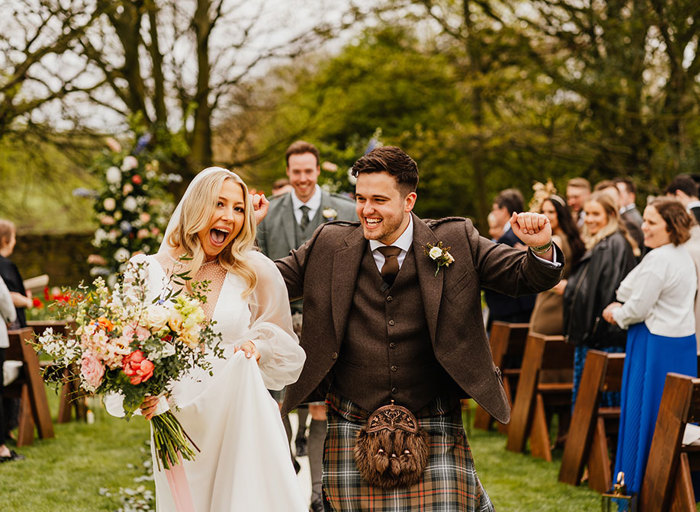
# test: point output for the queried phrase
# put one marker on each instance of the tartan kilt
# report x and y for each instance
(449, 482)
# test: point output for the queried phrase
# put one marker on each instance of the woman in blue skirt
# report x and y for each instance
(656, 306)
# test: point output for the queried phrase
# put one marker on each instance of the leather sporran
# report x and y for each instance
(391, 450)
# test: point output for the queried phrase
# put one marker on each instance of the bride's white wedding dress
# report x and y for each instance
(244, 463)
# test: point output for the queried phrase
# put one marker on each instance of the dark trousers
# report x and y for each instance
(3, 418)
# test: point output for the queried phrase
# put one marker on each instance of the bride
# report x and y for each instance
(244, 462)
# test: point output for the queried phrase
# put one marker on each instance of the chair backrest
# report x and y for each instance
(507, 342)
(18, 349)
(602, 372)
(557, 353)
(680, 404)
(613, 373)
(542, 353)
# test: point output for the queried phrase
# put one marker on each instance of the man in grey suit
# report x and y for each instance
(291, 220)
(628, 209)
(393, 322)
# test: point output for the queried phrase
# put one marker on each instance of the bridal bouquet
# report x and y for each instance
(123, 343)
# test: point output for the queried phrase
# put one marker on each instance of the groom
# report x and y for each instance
(384, 322)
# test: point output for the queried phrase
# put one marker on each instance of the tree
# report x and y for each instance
(173, 68)
(633, 66)
(39, 57)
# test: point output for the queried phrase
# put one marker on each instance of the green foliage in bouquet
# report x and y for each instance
(132, 206)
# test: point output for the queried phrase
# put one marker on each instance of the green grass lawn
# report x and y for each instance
(68, 472)
(518, 482)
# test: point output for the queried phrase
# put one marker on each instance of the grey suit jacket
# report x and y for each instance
(275, 233)
(633, 222)
(325, 269)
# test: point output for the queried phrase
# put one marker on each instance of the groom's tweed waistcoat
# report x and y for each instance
(387, 342)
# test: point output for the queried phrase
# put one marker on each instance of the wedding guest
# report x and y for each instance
(291, 220)
(281, 186)
(685, 189)
(656, 307)
(22, 300)
(243, 461)
(392, 330)
(609, 256)
(578, 190)
(548, 314)
(503, 306)
(495, 226)
(693, 248)
(8, 314)
(628, 207)
(633, 228)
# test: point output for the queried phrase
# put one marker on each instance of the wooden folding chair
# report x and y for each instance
(507, 342)
(591, 425)
(72, 397)
(544, 388)
(29, 388)
(667, 485)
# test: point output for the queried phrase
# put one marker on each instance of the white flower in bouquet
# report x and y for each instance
(175, 321)
(110, 204)
(190, 337)
(166, 349)
(156, 317)
(113, 175)
(130, 203)
(130, 162)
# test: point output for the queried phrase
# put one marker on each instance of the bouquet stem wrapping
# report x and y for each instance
(171, 440)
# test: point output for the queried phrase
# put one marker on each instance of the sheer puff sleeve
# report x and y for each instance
(281, 357)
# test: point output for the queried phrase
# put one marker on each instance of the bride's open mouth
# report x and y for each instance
(218, 236)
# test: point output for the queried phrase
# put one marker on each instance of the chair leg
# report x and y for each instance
(683, 496)
(482, 419)
(64, 404)
(25, 430)
(599, 472)
(539, 434)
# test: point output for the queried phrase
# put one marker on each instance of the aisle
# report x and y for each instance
(304, 475)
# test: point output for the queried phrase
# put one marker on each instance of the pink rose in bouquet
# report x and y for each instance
(138, 368)
(91, 369)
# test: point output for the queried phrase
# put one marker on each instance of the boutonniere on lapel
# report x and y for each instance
(329, 213)
(440, 255)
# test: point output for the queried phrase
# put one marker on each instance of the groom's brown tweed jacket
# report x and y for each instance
(325, 270)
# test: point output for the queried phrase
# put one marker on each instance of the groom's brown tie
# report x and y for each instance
(391, 263)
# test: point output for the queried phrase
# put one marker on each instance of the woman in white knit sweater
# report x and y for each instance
(656, 306)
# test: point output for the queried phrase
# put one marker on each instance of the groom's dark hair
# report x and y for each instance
(392, 160)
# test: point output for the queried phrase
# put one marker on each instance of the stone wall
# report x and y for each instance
(62, 257)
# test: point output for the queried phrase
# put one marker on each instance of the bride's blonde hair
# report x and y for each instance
(197, 209)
